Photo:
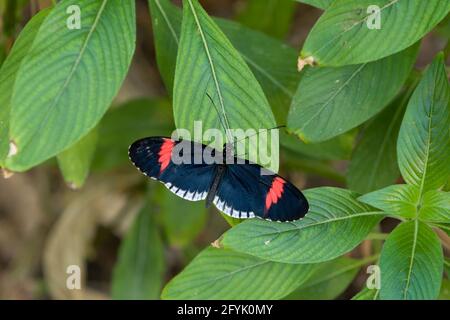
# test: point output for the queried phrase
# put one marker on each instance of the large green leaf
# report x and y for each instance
(68, 79)
(272, 17)
(321, 4)
(139, 271)
(338, 148)
(273, 66)
(182, 220)
(127, 123)
(8, 73)
(217, 73)
(328, 280)
(400, 199)
(218, 70)
(335, 224)
(342, 36)
(373, 163)
(435, 207)
(75, 162)
(411, 263)
(224, 274)
(423, 146)
(331, 101)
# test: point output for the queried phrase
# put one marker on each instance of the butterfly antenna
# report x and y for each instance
(277, 127)
(256, 133)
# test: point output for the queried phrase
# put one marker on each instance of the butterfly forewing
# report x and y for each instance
(188, 179)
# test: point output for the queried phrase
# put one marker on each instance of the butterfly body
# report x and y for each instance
(235, 186)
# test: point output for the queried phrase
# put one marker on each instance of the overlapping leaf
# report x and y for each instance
(423, 146)
(335, 224)
(411, 263)
(138, 274)
(68, 78)
(330, 101)
(373, 163)
(75, 162)
(435, 207)
(400, 199)
(273, 17)
(328, 280)
(8, 74)
(181, 220)
(347, 33)
(224, 274)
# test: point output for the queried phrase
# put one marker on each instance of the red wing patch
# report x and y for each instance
(275, 192)
(165, 153)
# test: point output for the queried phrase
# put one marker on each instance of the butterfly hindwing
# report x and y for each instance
(154, 157)
(282, 200)
(244, 193)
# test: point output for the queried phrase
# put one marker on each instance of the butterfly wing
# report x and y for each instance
(188, 177)
(245, 193)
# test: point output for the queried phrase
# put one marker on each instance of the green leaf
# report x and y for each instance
(272, 67)
(224, 274)
(367, 294)
(435, 207)
(337, 148)
(423, 146)
(126, 123)
(342, 35)
(182, 220)
(75, 162)
(166, 23)
(335, 224)
(139, 271)
(399, 199)
(328, 280)
(68, 79)
(411, 263)
(321, 4)
(273, 17)
(8, 74)
(331, 101)
(217, 70)
(373, 164)
(445, 290)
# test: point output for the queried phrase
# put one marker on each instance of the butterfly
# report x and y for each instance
(237, 188)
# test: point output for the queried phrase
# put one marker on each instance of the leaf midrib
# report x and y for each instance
(353, 26)
(213, 70)
(263, 71)
(411, 262)
(232, 273)
(345, 84)
(302, 227)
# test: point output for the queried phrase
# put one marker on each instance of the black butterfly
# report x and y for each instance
(238, 189)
